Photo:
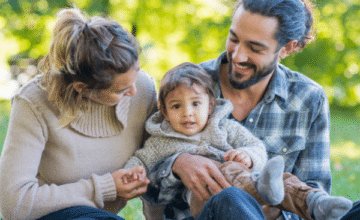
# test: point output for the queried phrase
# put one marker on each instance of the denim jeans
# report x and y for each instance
(81, 213)
(231, 203)
(354, 212)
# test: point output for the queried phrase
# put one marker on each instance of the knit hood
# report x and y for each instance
(156, 125)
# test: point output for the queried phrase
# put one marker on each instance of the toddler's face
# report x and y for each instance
(187, 109)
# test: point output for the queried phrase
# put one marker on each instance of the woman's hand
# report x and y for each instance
(127, 190)
(238, 156)
(200, 175)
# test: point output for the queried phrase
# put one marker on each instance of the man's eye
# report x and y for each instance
(233, 40)
(255, 50)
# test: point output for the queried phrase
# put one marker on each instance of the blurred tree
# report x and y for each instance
(174, 31)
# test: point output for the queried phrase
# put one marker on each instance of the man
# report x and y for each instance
(286, 110)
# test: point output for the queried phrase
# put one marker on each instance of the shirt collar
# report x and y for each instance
(277, 86)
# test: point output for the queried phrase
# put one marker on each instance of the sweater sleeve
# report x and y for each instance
(21, 195)
(241, 138)
(153, 151)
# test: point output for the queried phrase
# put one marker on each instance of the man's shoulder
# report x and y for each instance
(299, 91)
(212, 66)
(296, 77)
(299, 82)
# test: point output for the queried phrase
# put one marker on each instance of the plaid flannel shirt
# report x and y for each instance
(292, 120)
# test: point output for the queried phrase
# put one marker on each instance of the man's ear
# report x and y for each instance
(79, 86)
(287, 49)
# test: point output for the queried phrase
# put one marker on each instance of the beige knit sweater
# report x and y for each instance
(45, 168)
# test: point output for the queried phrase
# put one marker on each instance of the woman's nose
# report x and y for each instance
(132, 90)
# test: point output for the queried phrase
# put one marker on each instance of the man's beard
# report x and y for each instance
(255, 78)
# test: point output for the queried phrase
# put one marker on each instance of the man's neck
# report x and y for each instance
(244, 100)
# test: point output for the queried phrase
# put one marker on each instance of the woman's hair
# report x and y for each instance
(186, 74)
(294, 17)
(89, 51)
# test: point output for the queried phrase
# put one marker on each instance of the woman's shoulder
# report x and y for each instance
(145, 87)
(145, 82)
(33, 91)
(146, 96)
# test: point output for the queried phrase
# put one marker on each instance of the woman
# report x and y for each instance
(72, 128)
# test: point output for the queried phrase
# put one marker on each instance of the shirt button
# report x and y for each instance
(284, 150)
(289, 216)
(163, 172)
(251, 120)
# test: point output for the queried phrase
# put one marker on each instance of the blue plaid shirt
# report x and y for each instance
(292, 120)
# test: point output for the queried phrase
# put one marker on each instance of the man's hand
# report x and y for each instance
(238, 156)
(200, 175)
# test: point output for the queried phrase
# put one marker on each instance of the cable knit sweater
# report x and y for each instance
(219, 136)
(45, 168)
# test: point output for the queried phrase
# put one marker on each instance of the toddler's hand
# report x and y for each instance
(238, 156)
(131, 176)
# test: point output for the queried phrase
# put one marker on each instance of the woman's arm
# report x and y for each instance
(21, 195)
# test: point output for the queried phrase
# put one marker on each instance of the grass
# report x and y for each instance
(345, 154)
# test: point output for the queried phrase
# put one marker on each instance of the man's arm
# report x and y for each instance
(313, 165)
(195, 172)
(199, 174)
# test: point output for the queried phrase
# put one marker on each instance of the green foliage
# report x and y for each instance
(4, 120)
(172, 32)
(333, 59)
(132, 210)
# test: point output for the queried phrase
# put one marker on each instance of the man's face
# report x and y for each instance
(251, 48)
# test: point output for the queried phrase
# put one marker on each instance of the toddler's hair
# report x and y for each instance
(186, 74)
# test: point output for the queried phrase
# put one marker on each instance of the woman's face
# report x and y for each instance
(122, 85)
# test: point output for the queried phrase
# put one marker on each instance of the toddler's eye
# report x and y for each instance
(196, 103)
(177, 106)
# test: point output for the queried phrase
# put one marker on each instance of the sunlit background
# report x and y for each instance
(174, 31)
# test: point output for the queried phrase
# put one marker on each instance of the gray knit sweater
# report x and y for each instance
(219, 136)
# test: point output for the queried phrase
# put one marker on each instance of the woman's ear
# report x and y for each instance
(288, 49)
(79, 86)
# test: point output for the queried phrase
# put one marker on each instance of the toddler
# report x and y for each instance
(191, 120)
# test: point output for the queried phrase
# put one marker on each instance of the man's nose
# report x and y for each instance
(240, 54)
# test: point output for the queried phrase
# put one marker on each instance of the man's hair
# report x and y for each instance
(88, 51)
(294, 18)
(186, 74)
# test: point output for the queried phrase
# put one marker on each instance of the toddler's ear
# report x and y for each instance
(158, 105)
(162, 111)
(211, 105)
